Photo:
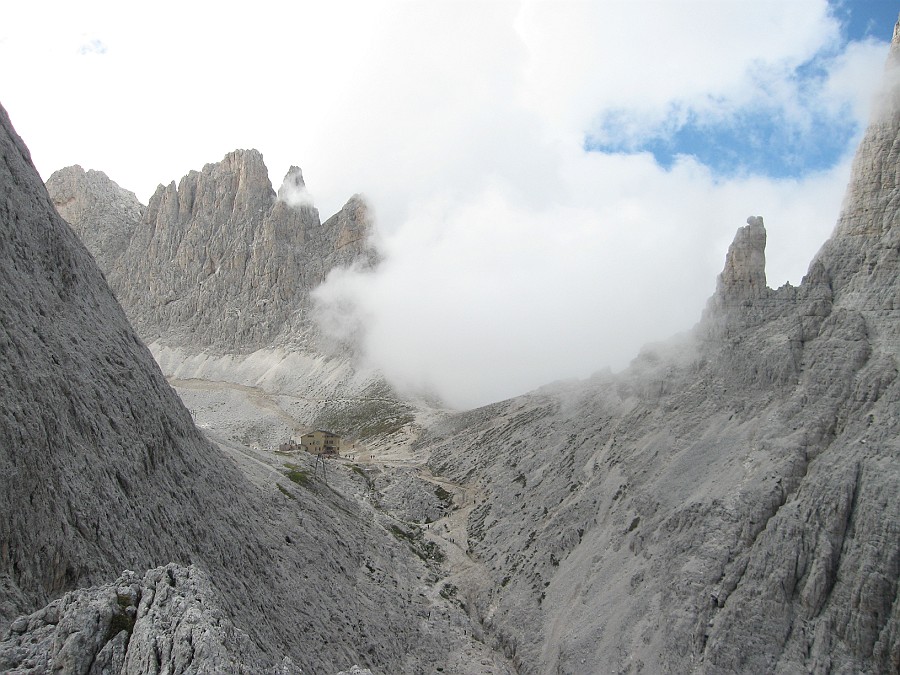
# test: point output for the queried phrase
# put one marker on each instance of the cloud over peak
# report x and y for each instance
(555, 183)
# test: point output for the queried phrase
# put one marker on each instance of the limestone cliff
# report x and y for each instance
(729, 503)
(220, 262)
(216, 273)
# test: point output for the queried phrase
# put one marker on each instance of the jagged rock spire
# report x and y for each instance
(744, 275)
(741, 296)
(293, 189)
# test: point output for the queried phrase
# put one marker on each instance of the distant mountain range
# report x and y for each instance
(216, 274)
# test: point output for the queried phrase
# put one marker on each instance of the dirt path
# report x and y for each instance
(259, 468)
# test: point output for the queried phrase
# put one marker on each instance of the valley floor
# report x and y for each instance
(386, 477)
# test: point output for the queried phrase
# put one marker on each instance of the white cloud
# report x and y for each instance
(293, 192)
(512, 256)
(656, 59)
(488, 297)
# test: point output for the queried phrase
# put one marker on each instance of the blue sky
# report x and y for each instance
(760, 138)
(861, 19)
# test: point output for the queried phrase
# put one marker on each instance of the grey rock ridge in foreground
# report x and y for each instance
(731, 501)
(103, 215)
(103, 470)
(163, 621)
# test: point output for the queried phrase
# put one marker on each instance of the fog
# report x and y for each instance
(490, 296)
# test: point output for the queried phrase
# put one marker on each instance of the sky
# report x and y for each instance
(554, 184)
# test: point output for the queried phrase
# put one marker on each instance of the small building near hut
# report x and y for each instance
(290, 446)
(321, 442)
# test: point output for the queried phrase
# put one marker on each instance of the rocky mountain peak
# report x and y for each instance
(293, 190)
(232, 190)
(742, 298)
(293, 178)
(744, 275)
(219, 261)
(103, 215)
(247, 167)
(353, 223)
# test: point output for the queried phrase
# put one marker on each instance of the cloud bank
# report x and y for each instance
(512, 152)
(516, 256)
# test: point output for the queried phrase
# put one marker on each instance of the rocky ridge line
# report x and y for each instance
(216, 275)
(165, 621)
(219, 262)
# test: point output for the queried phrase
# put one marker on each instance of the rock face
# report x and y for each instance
(744, 278)
(166, 621)
(219, 262)
(102, 469)
(103, 215)
(730, 502)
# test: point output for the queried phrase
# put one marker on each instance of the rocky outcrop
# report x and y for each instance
(727, 503)
(216, 276)
(103, 215)
(165, 621)
(744, 277)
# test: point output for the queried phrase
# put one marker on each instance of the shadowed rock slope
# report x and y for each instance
(730, 502)
(102, 469)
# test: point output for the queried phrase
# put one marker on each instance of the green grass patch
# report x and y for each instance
(284, 491)
(443, 495)
(401, 534)
(428, 551)
(448, 591)
(298, 476)
(120, 620)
